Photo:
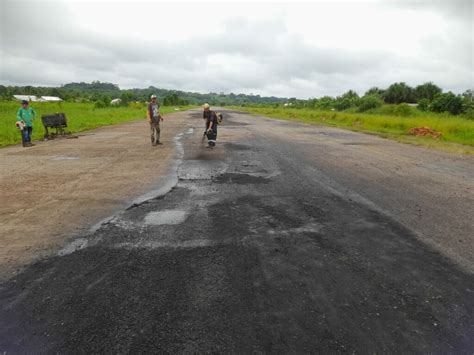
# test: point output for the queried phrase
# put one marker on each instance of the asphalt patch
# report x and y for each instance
(243, 179)
(237, 146)
(140, 300)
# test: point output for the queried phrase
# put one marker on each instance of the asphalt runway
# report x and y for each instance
(284, 238)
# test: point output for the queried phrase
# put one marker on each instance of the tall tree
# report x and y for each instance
(374, 91)
(398, 93)
(426, 91)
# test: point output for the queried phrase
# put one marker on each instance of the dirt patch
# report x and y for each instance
(58, 189)
(425, 132)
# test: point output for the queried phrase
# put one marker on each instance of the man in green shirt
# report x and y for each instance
(26, 115)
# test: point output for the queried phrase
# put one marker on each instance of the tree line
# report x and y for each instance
(102, 93)
(427, 97)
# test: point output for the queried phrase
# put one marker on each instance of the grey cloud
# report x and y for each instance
(49, 50)
(462, 10)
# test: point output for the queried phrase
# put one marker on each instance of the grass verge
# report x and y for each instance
(458, 132)
(81, 117)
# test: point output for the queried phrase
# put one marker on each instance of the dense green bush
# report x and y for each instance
(447, 102)
(100, 104)
(423, 105)
(369, 102)
(325, 103)
(342, 104)
(469, 114)
(402, 110)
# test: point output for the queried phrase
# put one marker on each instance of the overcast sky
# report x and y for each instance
(283, 49)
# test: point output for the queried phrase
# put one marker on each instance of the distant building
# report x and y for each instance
(38, 99)
(51, 99)
(26, 97)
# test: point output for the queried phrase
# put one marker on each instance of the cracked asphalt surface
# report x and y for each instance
(283, 238)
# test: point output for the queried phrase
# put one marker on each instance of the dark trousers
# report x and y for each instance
(27, 131)
(211, 137)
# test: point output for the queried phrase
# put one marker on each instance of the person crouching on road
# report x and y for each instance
(211, 125)
(26, 115)
(154, 119)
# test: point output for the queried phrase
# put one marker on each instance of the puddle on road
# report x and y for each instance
(165, 217)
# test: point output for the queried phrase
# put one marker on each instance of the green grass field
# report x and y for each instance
(81, 117)
(458, 132)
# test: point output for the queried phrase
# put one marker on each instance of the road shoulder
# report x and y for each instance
(57, 190)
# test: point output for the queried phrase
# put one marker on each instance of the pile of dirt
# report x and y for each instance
(424, 131)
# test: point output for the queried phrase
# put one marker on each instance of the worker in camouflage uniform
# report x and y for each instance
(211, 125)
(154, 119)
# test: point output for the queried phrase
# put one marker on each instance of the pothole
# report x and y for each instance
(165, 217)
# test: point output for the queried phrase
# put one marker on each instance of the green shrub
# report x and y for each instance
(325, 103)
(369, 102)
(100, 104)
(447, 102)
(342, 104)
(469, 114)
(402, 110)
(423, 105)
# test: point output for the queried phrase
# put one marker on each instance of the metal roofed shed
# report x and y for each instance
(26, 97)
(35, 98)
(51, 99)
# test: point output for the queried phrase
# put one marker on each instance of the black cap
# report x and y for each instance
(24, 102)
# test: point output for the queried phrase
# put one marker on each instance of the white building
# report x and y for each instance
(51, 99)
(38, 99)
(26, 97)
